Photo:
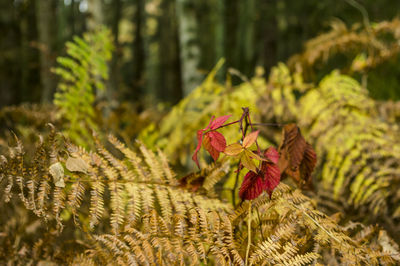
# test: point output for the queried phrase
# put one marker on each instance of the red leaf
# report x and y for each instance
(219, 122)
(217, 140)
(252, 186)
(210, 148)
(272, 154)
(199, 141)
(272, 177)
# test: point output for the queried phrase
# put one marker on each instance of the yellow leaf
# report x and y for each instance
(248, 163)
(250, 139)
(233, 149)
(254, 155)
(76, 165)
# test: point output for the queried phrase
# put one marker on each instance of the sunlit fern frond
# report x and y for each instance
(358, 151)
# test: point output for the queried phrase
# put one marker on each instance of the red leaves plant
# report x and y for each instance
(296, 158)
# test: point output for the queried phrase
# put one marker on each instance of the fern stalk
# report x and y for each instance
(248, 234)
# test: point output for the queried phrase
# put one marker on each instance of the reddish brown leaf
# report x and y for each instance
(297, 157)
(270, 170)
(219, 122)
(199, 141)
(217, 140)
(293, 145)
(272, 154)
(210, 148)
(252, 186)
(272, 177)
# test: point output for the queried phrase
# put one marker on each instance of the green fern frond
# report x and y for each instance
(82, 73)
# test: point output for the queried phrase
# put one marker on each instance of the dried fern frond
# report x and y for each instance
(376, 44)
(128, 208)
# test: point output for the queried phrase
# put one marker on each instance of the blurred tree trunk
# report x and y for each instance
(95, 14)
(219, 23)
(231, 24)
(170, 87)
(245, 52)
(138, 49)
(211, 30)
(45, 13)
(189, 45)
(25, 90)
(267, 33)
(71, 19)
(114, 65)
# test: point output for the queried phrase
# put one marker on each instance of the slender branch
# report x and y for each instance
(268, 124)
(235, 185)
(251, 125)
(231, 123)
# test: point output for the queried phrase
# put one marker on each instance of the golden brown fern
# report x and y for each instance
(128, 208)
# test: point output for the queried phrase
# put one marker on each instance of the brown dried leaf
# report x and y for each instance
(307, 165)
(293, 145)
(76, 165)
(297, 157)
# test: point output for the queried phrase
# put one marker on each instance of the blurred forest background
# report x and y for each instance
(165, 48)
(100, 102)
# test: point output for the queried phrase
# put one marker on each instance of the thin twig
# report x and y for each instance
(268, 124)
(235, 185)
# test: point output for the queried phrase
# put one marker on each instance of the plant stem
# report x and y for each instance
(251, 125)
(259, 220)
(235, 186)
(244, 116)
(248, 234)
(231, 123)
(267, 124)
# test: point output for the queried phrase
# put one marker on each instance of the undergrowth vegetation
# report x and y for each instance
(315, 163)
